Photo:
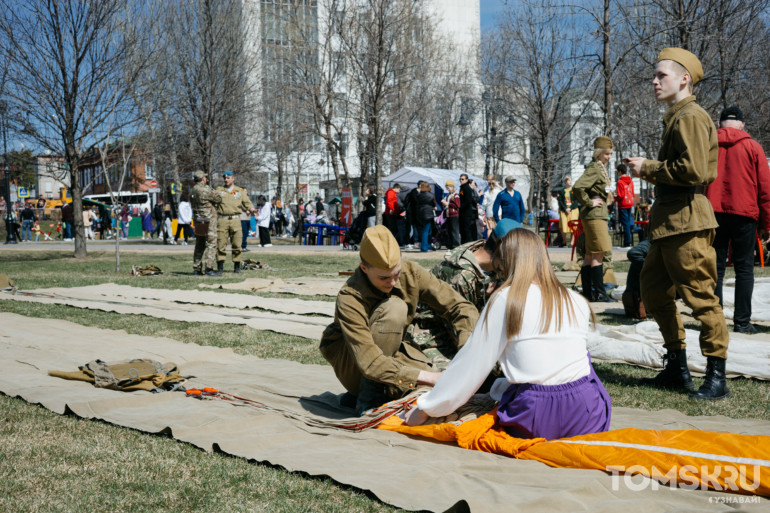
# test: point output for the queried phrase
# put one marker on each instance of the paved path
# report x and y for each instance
(283, 246)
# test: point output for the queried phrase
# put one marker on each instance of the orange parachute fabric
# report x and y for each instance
(690, 459)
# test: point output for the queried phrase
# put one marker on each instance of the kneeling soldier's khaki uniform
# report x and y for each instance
(365, 343)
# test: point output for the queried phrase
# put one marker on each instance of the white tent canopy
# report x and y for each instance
(411, 175)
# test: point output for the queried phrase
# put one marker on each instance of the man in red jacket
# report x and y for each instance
(741, 199)
(625, 202)
(392, 213)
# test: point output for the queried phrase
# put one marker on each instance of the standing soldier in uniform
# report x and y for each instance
(234, 201)
(682, 224)
(204, 200)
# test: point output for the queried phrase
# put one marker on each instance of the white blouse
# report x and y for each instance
(550, 358)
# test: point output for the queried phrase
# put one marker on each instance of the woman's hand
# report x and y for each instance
(597, 202)
(415, 417)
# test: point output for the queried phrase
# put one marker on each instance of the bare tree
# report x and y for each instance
(204, 82)
(383, 41)
(535, 62)
(68, 69)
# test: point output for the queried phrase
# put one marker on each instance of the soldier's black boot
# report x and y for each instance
(197, 272)
(236, 267)
(597, 284)
(714, 387)
(220, 266)
(675, 374)
(585, 281)
(212, 272)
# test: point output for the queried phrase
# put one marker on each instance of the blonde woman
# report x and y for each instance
(537, 330)
(593, 192)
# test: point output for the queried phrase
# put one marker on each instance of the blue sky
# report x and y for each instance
(489, 10)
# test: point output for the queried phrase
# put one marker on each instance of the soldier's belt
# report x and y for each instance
(665, 190)
(234, 216)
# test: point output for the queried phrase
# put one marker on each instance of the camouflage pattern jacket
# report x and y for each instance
(204, 200)
(461, 271)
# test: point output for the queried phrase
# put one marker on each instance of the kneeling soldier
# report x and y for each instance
(365, 343)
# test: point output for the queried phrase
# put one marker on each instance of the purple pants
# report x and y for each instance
(556, 411)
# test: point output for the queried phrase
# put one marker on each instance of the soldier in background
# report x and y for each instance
(204, 201)
(234, 202)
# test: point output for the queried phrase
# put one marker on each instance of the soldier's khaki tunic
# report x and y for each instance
(234, 202)
(681, 258)
(203, 200)
(366, 338)
(594, 183)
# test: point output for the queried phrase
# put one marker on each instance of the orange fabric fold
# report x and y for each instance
(690, 459)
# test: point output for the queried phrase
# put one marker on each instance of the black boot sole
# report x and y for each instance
(684, 388)
(695, 397)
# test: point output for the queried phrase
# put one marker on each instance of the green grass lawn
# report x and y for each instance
(63, 463)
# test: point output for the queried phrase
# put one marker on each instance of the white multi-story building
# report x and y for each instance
(454, 21)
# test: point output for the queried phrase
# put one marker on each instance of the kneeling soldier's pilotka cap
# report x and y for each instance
(379, 248)
(686, 59)
(227, 173)
(733, 113)
(603, 143)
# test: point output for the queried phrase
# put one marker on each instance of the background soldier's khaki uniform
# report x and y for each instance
(234, 202)
(366, 339)
(681, 258)
(203, 200)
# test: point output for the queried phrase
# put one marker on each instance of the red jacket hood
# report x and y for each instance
(730, 136)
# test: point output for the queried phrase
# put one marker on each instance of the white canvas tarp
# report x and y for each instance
(637, 344)
(411, 175)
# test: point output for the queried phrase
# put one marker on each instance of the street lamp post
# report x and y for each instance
(10, 237)
(485, 98)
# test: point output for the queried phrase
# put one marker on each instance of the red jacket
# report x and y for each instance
(391, 202)
(742, 186)
(625, 194)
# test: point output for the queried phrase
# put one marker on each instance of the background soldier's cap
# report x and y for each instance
(686, 59)
(227, 173)
(603, 142)
(733, 113)
(379, 248)
(199, 175)
(504, 226)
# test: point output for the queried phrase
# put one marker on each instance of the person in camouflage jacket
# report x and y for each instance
(204, 200)
(468, 270)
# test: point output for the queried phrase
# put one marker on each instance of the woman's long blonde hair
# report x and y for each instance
(523, 259)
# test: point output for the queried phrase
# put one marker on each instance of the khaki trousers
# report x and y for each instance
(685, 264)
(229, 230)
(387, 324)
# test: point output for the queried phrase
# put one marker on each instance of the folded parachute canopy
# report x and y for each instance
(689, 459)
